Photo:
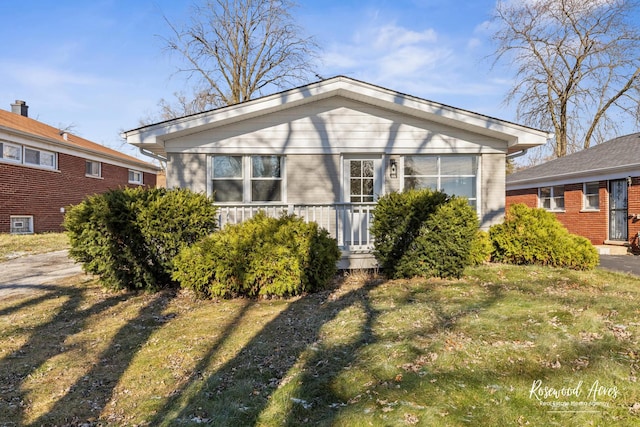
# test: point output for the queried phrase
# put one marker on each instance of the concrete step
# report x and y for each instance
(612, 249)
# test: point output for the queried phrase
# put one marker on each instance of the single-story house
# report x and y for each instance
(329, 149)
(43, 170)
(595, 192)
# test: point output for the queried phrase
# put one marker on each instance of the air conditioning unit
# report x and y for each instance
(21, 225)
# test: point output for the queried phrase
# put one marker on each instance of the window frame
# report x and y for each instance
(23, 217)
(19, 149)
(98, 174)
(438, 175)
(247, 178)
(553, 198)
(39, 163)
(135, 181)
(585, 196)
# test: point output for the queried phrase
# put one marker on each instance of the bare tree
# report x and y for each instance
(578, 66)
(235, 49)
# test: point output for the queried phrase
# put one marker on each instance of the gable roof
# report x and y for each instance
(26, 127)
(621, 154)
(518, 137)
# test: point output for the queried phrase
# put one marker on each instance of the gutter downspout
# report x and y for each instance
(517, 154)
(158, 157)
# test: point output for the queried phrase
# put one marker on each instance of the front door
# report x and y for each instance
(362, 186)
(618, 214)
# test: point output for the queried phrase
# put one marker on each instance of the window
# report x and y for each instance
(552, 198)
(21, 224)
(135, 177)
(228, 178)
(10, 152)
(39, 158)
(232, 184)
(93, 169)
(591, 201)
(266, 179)
(361, 181)
(454, 175)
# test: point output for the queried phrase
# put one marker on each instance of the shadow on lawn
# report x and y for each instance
(240, 391)
(85, 399)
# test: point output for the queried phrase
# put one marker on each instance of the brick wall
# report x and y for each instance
(42, 193)
(590, 224)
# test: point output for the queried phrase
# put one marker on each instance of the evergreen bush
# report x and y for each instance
(262, 256)
(129, 237)
(423, 233)
(536, 236)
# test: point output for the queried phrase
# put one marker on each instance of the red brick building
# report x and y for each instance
(595, 193)
(43, 170)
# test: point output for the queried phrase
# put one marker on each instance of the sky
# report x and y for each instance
(98, 67)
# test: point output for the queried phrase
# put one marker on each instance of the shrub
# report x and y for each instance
(423, 233)
(129, 237)
(481, 248)
(443, 245)
(396, 223)
(535, 236)
(262, 256)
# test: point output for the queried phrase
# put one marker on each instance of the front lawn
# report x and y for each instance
(502, 346)
(15, 245)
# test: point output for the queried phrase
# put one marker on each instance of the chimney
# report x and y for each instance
(20, 107)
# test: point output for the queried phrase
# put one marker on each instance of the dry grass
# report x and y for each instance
(369, 352)
(12, 245)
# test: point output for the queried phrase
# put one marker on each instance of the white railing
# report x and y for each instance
(348, 223)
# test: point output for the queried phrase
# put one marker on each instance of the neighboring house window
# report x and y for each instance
(454, 175)
(552, 198)
(591, 196)
(21, 224)
(93, 169)
(135, 177)
(228, 179)
(10, 152)
(266, 179)
(232, 184)
(42, 158)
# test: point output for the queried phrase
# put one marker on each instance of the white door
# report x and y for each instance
(362, 186)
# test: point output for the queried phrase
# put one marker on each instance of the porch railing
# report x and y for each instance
(348, 223)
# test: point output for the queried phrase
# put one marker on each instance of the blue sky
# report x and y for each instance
(99, 66)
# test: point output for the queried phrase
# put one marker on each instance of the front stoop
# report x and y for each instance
(613, 248)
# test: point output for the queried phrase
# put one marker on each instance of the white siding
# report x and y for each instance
(492, 189)
(187, 171)
(336, 125)
(313, 179)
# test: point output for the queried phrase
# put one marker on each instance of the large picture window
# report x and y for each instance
(454, 174)
(552, 198)
(238, 179)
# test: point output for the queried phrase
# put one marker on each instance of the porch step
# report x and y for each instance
(612, 249)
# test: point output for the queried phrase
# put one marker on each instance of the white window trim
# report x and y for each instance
(585, 206)
(247, 178)
(39, 164)
(99, 175)
(552, 203)
(140, 181)
(478, 175)
(28, 217)
(10, 160)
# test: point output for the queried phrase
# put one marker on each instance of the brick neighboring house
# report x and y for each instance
(595, 192)
(43, 170)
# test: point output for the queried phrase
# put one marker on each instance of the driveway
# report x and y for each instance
(33, 272)
(621, 263)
